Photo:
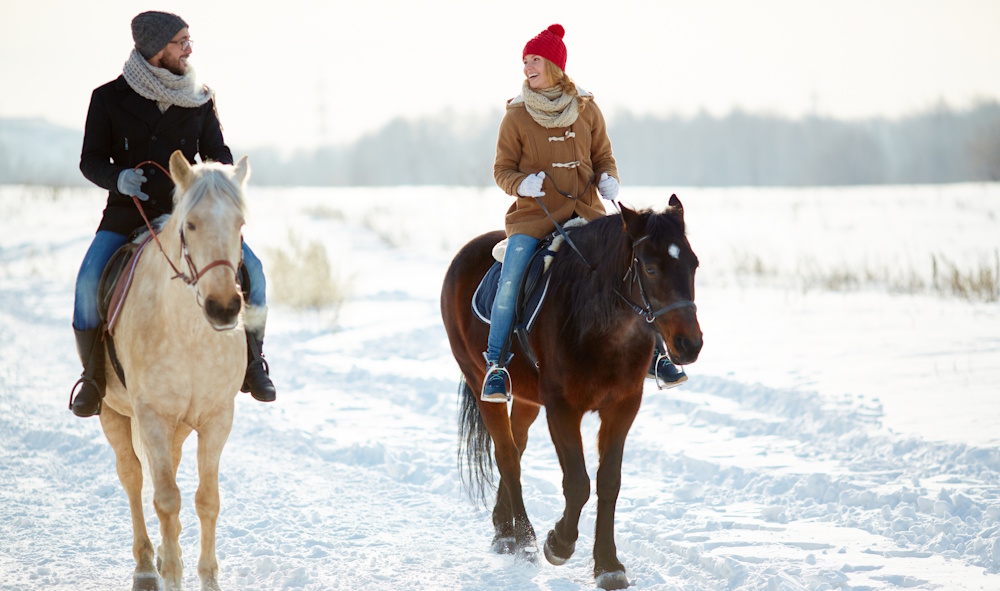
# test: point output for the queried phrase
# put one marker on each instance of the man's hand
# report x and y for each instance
(130, 183)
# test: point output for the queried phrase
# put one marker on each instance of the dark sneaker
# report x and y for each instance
(495, 385)
(666, 374)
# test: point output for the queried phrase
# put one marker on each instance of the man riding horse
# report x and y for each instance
(154, 108)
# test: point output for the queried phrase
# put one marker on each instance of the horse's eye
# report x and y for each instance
(190, 226)
(650, 270)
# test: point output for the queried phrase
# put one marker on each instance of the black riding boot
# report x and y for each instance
(87, 401)
(257, 382)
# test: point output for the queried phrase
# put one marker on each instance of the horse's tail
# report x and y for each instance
(475, 448)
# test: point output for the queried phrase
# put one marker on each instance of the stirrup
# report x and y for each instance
(74, 390)
(679, 378)
(497, 397)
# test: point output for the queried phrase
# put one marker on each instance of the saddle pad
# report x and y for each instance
(534, 287)
(116, 281)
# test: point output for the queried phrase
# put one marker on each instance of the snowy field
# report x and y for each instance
(840, 430)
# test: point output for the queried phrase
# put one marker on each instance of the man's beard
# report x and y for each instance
(174, 66)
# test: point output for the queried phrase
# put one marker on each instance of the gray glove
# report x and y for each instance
(532, 185)
(608, 186)
(130, 183)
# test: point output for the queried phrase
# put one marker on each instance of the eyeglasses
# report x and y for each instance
(184, 43)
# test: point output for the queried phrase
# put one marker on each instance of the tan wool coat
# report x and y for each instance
(524, 147)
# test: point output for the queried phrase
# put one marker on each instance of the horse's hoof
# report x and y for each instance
(506, 545)
(552, 550)
(528, 554)
(145, 582)
(612, 580)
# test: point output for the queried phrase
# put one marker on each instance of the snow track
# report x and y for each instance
(350, 480)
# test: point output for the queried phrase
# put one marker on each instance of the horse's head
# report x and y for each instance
(209, 209)
(663, 268)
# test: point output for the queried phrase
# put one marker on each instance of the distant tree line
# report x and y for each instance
(941, 145)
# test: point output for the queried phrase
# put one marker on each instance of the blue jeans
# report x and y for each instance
(103, 247)
(520, 247)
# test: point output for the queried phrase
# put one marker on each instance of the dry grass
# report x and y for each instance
(300, 276)
(976, 283)
(980, 283)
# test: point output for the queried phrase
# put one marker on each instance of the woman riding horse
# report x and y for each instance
(552, 130)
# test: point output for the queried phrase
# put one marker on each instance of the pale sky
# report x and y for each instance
(295, 73)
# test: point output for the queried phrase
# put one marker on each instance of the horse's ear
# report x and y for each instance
(675, 204)
(180, 170)
(632, 221)
(243, 170)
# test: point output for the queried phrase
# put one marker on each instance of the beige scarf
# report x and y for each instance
(163, 86)
(550, 107)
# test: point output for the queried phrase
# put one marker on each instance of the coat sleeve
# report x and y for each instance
(600, 146)
(95, 157)
(211, 145)
(509, 151)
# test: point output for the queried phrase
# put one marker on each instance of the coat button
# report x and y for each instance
(153, 139)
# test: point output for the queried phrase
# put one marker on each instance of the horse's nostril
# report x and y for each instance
(234, 306)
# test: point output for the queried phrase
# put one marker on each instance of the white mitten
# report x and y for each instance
(532, 185)
(608, 186)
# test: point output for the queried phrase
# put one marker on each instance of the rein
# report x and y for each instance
(195, 275)
(559, 227)
(646, 310)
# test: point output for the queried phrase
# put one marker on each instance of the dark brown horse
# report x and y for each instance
(593, 338)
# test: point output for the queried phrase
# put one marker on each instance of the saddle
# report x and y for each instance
(530, 295)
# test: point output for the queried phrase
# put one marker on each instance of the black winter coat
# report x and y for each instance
(124, 129)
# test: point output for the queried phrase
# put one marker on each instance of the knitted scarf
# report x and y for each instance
(163, 86)
(550, 107)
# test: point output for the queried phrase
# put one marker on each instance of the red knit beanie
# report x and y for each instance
(549, 44)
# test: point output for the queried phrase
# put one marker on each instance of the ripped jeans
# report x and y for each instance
(520, 247)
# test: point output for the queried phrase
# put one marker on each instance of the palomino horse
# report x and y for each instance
(633, 276)
(182, 346)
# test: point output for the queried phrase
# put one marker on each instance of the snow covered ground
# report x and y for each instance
(826, 439)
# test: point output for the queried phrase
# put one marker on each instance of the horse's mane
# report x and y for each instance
(590, 295)
(209, 178)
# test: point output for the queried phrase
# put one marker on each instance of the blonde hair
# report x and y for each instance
(563, 81)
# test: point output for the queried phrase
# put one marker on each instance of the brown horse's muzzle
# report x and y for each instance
(682, 334)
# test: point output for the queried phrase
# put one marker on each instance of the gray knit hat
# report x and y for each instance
(152, 30)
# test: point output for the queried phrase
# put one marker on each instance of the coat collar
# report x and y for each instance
(145, 109)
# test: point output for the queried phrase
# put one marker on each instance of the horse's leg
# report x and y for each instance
(210, 443)
(564, 427)
(508, 459)
(522, 415)
(158, 441)
(118, 430)
(615, 424)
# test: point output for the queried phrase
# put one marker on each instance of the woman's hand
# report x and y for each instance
(608, 186)
(532, 185)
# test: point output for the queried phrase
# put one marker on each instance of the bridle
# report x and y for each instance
(193, 275)
(646, 310)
